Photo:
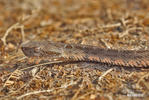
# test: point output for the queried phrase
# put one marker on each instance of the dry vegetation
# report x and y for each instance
(118, 24)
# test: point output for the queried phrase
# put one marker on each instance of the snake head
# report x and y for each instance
(32, 49)
(39, 49)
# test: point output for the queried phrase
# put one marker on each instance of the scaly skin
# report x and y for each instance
(86, 53)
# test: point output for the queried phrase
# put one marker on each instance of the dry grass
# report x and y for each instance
(117, 24)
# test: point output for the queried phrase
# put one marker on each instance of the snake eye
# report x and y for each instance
(68, 46)
(38, 49)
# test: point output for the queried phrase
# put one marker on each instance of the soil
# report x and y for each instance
(115, 24)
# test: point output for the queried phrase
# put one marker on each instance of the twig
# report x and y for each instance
(146, 75)
(110, 25)
(54, 62)
(42, 91)
(27, 84)
(18, 25)
(105, 73)
(14, 75)
(7, 32)
(15, 26)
